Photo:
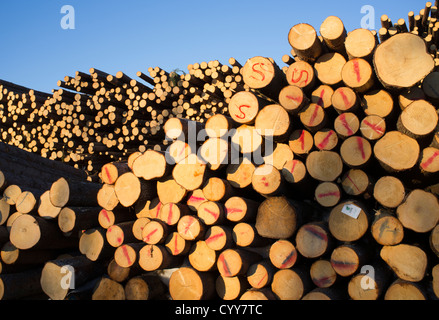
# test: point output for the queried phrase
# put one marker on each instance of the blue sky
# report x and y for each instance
(132, 35)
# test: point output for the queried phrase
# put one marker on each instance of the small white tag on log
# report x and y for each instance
(351, 210)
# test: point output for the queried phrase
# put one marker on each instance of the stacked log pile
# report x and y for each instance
(317, 180)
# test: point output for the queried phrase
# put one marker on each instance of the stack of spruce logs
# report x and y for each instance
(313, 181)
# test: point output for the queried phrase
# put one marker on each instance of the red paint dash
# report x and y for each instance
(149, 235)
(226, 268)
(353, 183)
(317, 233)
(345, 124)
(262, 279)
(264, 182)
(297, 99)
(176, 246)
(357, 69)
(325, 141)
(329, 194)
(345, 98)
(314, 115)
(233, 210)
(105, 213)
(196, 199)
(374, 127)
(302, 140)
(295, 162)
(320, 102)
(107, 172)
(427, 163)
(170, 214)
(213, 214)
(126, 254)
(290, 259)
(215, 237)
(159, 206)
(361, 147)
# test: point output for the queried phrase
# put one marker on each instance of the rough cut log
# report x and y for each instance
(328, 194)
(107, 198)
(301, 142)
(419, 211)
(378, 102)
(258, 294)
(202, 257)
(389, 191)
(240, 172)
(371, 285)
(325, 166)
(305, 42)
(187, 283)
(283, 254)
(405, 290)
(94, 246)
(302, 75)
(278, 218)
(334, 34)
(273, 122)
(233, 262)
(244, 107)
(356, 182)
(127, 254)
(190, 172)
(219, 238)
(347, 259)
(373, 127)
(263, 74)
(145, 287)
(348, 221)
(58, 276)
(267, 180)
(293, 99)
(46, 209)
(231, 288)
(346, 125)
(129, 189)
(313, 240)
(326, 139)
(386, 228)
(418, 121)
(260, 274)
(154, 257)
(151, 165)
(239, 209)
(74, 193)
(111, 171)
(177, 245)
(402, 61)
(358, 74)
(434, 240)
(360, 43)
(407, 261)
(155, 232)
(356, 152)
(291, 284)
(322, 273)
(313, 117)
(108, 290)
(396, 152)
(34, 232)
(345, 99)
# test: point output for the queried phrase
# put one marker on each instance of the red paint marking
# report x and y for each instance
(345, 98)
(323, 281)
(175, 245)
(262, 279)
(119, 240)
(213, 214)
(427, 163)
(159, 206)
(317, 233)
(345, 124)
(233, 210)
(186, 229)
(344, 265)
(182, 150)
(242, 115)
(320, 102)
(374, 127)
(107, 172)
(295, 162)
(265, 183)
(361, 146)
(297, 99)
(215, 237)
(302, 72)
(105, 213)
(149, 235)
(325, 141)
(314, 115)
(302, 140)
(226, 268)
(329, 194)
(357, 69)
(170, 214)
(126, 254)
(353, 183)
(261, 65)
(196, 199)
(288, 260)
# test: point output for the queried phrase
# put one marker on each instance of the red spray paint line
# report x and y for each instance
(126, 254)
(345, 124)
(344, 97)
(290, 259)
(320, 102)
(357, 69)
(361, 147)
(226, 268)
(427, 163)
(325, 141)
(170, 214)
(329, 194)
(105, 213)
(315, 232)
(149, 235)
(302, 139)
(374, 127)
(314, 115)
(213, 214)
(215, 237)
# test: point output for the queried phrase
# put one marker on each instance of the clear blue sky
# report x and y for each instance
(132, 35)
